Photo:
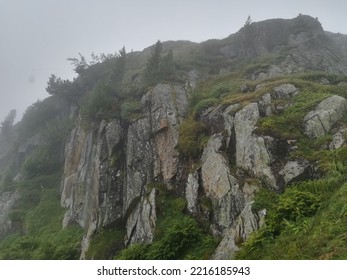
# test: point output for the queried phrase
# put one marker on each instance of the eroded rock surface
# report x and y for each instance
(320, 121)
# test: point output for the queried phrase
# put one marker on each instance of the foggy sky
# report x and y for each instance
(37, 36)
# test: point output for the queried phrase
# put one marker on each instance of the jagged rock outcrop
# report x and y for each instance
(328, 112)
(142, 220)
(115, 168)
(294, 171)
(92, 188)
(107, 169)
(339, 139)
(7, 201)
(150, 144)
(192, 192)
(219, 185)
(252, 151)
(301, 42)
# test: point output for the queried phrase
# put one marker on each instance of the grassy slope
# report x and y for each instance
(308, 220)
(39, 216)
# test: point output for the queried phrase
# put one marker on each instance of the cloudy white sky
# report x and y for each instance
(38, 35)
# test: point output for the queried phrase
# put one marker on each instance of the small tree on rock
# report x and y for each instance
(248, 21)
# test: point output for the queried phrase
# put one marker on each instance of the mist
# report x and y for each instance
(38, 36)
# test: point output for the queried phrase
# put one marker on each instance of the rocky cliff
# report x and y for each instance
(108, 168)
(253, 134)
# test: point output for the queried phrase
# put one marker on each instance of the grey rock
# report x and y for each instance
(285, 91)
(113, 135)
(295, 170)
(142, 221)
(328, 112)
(265, 106)
(324, 81)
(91, 191)
(247, 222)
(252, 151)
(107, 168)
(338, 139)
(259, 87)
(219, 185)
(214, 119)
(7, 202)
(193, 78)
(245, 88)
(18, 177)
(228, 116)
(192, 188)
(140, 161)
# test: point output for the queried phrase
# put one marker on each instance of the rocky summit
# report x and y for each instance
(232, 148)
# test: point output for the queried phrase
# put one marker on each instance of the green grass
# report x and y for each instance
(177, 236)
(288, 125)
(192, 138)
(322, 236)
(105, 243)
(38, 218)
(308, 221)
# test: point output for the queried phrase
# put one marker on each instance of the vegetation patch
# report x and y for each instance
(192, 138)
(105, 243)
(38, 219)
(177, 236)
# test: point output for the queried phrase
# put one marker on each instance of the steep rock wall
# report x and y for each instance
(107, 168)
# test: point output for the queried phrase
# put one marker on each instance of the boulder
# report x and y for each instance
(339, 139)
(247, 222)
(285, 91)
(192, 188)
(142, 221)
(294, 171)
(7, 201)
(219, 185)
(320, 121)
(252, 151)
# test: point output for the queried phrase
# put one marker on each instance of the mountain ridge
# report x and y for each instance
(182, 151)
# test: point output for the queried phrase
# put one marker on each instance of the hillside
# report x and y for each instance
(232, 148)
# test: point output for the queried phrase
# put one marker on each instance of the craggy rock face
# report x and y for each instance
(107, 169)
(321, 120)
(7, 200)
(301, 42)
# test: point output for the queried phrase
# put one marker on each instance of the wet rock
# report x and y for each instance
(192, 188)
(295, 171)
(142, 221)
(339, 139)
(219, 185)
(328, 112)
(7, 202)
(252, 151)
(285, 91)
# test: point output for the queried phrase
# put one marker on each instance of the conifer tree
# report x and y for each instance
(152, 72)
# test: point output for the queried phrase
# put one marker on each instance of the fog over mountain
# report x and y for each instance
(37, 36)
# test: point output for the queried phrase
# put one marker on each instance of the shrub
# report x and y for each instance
(192, 137)
(134, 252)
(264, 199)
(293, 206)
(177, 238)
(105, 243)
(130, 110)
(205, 104)
(40, 162)
(98, 102)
